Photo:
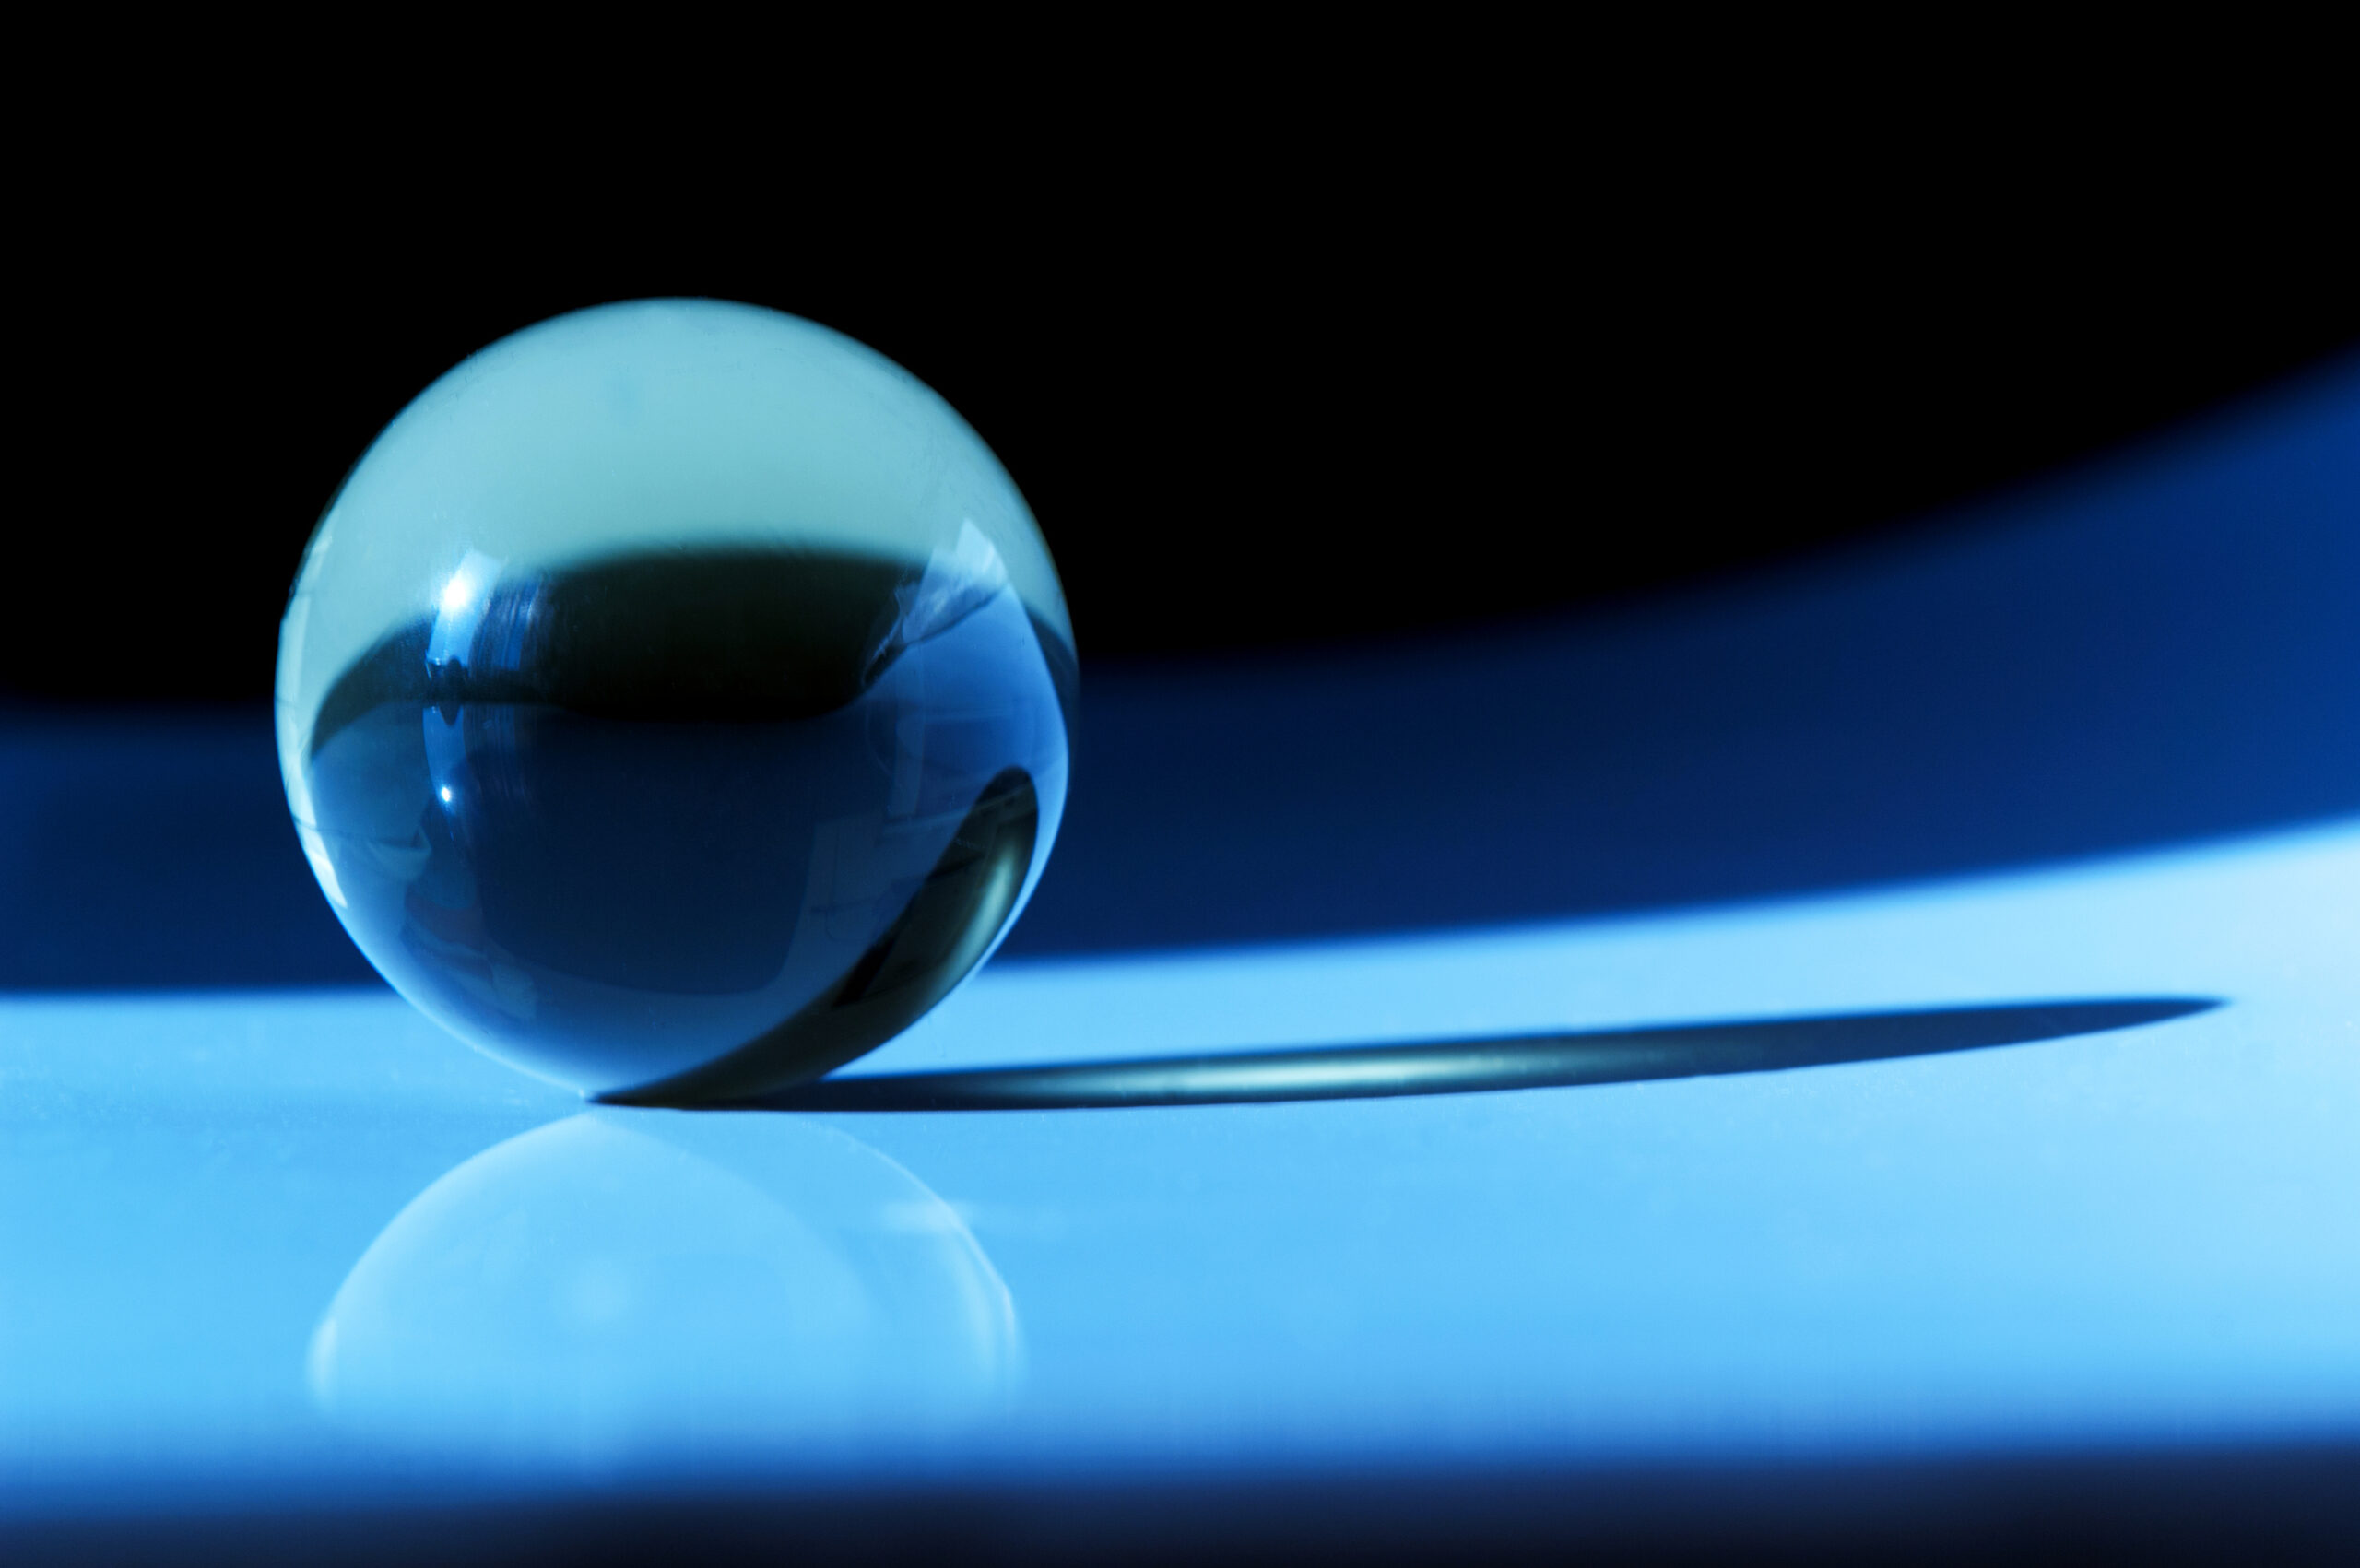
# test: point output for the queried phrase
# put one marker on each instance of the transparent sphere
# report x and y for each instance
(673, 703)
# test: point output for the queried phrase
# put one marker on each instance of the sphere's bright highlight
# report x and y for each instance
(673, 703)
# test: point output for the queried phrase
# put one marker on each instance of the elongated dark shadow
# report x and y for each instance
(1467, 1067)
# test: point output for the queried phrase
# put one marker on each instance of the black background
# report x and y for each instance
(1335, 388)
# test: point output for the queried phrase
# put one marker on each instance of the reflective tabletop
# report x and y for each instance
(2035, 1132)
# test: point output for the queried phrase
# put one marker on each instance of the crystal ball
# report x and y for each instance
(673, 702)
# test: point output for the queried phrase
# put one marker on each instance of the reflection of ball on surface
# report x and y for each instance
(611, 1285)
(673, 702)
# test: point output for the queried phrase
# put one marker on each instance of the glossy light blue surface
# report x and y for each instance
(303, 1241)
(262, 1246)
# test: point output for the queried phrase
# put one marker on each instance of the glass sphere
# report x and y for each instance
(673, 702)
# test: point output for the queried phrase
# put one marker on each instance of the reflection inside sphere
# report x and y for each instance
(717, 818)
